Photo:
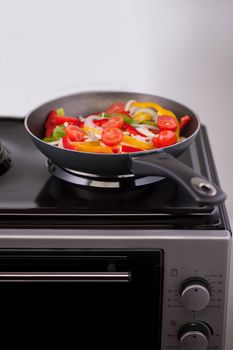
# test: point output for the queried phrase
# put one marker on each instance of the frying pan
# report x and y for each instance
(159, 162)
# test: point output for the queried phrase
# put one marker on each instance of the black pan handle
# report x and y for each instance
(163, 164)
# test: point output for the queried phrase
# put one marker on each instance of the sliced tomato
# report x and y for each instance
(118, 107)
(67, 144)
(112, 136)
(164, 139)
(167, 122)
(114, 122)
(75, 133)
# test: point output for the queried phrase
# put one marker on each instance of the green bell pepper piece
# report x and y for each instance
(48, 139)
(149, 122)
(58, 132)
(127, 119)
(60, 111)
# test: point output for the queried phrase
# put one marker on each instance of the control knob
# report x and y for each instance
(194, 336)
(195, 293)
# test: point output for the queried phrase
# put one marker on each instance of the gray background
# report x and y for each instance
(181, 49)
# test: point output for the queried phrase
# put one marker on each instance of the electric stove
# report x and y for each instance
(28, 191)
(145, 242)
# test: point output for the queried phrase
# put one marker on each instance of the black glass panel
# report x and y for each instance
(28, 188)
(95, 314)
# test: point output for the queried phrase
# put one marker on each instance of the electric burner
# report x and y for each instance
(33, 187)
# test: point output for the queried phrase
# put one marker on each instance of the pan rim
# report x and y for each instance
(122, 155)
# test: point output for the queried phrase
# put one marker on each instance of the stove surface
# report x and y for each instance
(30, 196)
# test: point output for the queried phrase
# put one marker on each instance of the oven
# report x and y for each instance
(158, 290)
(90, 264)
(87, 296)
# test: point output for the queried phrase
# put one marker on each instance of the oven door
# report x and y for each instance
(94, 299)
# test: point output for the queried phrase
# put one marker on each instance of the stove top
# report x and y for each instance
(32, 197)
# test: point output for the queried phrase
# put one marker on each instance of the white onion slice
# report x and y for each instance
(145, 131)
(140, 138)
(88, 121)
(149, 111)
(60, 143)
(148, 126)
(81, 118)
(127, 106)
(94, 137)
(181, 138)
(53, 143)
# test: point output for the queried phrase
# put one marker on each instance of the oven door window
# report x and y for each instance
(95, 299)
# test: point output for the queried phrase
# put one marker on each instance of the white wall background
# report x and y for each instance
(182, 49)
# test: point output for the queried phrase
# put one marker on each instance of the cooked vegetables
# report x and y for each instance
(166, 122)
(112, 136)
(121, 128)
(165, 138)
(184, 121)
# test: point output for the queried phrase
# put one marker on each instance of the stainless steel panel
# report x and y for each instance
(186, 254)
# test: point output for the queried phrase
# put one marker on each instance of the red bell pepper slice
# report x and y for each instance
(100, 122)
(184, 121)
(116, 149)
(132, 130)
(130, 149)
(55, 119)
(49, 130)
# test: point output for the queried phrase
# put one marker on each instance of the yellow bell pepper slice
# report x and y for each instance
(95, 131)
(87, 144)
(129, 140)
(142, 117)
(91, 147)
(160, 110)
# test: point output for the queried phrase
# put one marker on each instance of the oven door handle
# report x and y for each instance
(65, 277)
